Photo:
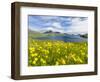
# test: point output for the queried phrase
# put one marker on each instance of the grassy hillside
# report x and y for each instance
(33, 34)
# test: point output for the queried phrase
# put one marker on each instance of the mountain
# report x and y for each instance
(84, 35)
(50, 31)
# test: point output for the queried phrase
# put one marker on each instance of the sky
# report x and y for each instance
(63, 24)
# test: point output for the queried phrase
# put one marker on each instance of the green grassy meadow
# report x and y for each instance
(54, 52)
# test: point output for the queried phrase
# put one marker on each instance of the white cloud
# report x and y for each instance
(33, 28)
(51, 28)
(57, 25)
(45, 29)
(78, 26)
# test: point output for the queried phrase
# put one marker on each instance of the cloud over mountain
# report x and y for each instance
(63, 24)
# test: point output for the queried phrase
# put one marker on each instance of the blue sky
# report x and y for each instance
(63, 24)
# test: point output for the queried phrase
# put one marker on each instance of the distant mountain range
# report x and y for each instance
(56, 32)
(84, 35)
(50, 31)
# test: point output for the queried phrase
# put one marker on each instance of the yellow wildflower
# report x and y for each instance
(66, 47)
(36, 59)
(34, 62)
(40, 48)
(35, 54)
(31, 49)
(63, 61)
(42, 60)
(66, 57)
(57, 63)
(46, 56)
(46, 52)
(49, 44)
